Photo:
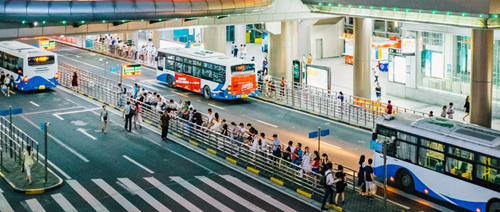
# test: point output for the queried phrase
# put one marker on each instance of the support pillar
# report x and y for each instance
(283, 50)
(155, 38)
(214, 38)
(481, 77)
(362, 58)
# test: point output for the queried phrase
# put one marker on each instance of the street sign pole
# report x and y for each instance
(10, 133)
(45, 149)
(385, 173)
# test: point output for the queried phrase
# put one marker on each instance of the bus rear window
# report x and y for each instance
(42, 60)
(243, 68)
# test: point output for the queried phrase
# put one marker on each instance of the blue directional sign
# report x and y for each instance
(42, 126)
(114, 68)
(313, 134)
(325, 132)
(376, 146)
(14, 112)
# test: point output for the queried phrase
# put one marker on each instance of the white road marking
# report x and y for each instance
(87, 196)
(58, 141)
(56, 168)
(144, 195)
(4, 205)
(230, 194)
(33, 103)
(79, 111)
(263, 122)
(213, 105)
(115, 195)
(182, 94)
(50, 111)
(63, 202)
(34, 205)
(79, 61)
(86, 133)
(138, 164)
(204, 196)
(58, 116)
(259, 194)
(172, 194)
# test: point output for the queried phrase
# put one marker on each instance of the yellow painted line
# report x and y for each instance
(147, 122)
(1, 174)
(100, 101)
(231, 160)
(211, 151)
(111, 106)
(336, 208)
(279, 182)
(193, 142)
(308, 195)
(91, 97)
(256, 171)
(80, 92)
(122, 110)
(35, 191)
(177, 135)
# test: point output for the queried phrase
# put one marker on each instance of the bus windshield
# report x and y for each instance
(41, 60)
(243, 68)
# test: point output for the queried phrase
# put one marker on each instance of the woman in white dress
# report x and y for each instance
(306, 160)
(216, 123)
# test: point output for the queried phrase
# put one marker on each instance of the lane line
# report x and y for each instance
(259, 194)
(144, 195)
(33, 103)
(263, 122)
(79, 111)
(172, 194)
(63, 202)
(87, 196)
(86, 133)
(204, 196)
(115, 195)
(34, 205)
(230, 194)
(213, 105)
(138, 164)
(50, 111)
(58, 116)
(4, 205)
(56, 168)
(58, 141)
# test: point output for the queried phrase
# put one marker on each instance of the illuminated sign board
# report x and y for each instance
(131, 70)
(47, 44)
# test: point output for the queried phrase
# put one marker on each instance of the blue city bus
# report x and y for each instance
(447, 160)
(33, 68)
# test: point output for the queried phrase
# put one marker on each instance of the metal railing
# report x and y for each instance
(240, 153)
(13, 141)
(351, 110)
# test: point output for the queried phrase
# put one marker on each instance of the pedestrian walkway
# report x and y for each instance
(197, 193)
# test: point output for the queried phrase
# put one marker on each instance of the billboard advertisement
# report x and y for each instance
(318, 76)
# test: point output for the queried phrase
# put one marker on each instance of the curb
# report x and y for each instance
(33, 190)
(312, 113)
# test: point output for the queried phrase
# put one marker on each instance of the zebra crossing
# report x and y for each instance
(199, 193)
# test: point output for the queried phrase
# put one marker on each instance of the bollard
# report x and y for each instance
(10, 132)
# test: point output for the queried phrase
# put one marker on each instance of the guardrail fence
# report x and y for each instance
(13, 141)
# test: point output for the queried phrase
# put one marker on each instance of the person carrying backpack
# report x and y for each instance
(104, 118)
(327, 181)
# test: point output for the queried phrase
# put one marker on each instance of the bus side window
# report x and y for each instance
(169, 64)
(206, 74)
(406, 151)
(196, 71)
(487, 169)
(459, 168)
(431, 159)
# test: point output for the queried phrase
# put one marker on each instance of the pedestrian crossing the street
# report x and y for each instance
(198, 193)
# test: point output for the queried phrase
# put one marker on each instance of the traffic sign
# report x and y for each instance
(14, 112)
(325, 132)
(42, 126)
(376, 146)
(313, 134)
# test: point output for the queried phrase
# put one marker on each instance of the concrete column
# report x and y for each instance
(481, 77)
(155, 38)
(283, 50)
(240, 34)
(362, 41)
(214, 38)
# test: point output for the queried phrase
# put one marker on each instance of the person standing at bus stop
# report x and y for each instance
(28, 161)
(74, 81)
(165, 118)
(129, 112)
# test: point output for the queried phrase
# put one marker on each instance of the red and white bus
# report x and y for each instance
(212, 74)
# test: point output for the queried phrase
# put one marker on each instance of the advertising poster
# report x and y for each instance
(188, 82)
(318, 76)
(296, 71)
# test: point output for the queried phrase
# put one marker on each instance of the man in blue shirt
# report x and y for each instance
(276, 146)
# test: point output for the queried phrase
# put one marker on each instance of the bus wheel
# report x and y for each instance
(206, 92)
(405, 181)
(170, 82)
(493, 206)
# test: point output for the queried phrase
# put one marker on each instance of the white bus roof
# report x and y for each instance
(205, 56)
(469, 136)
(21, 49)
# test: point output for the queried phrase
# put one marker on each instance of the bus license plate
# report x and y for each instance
(244, 95)
(41, 87)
